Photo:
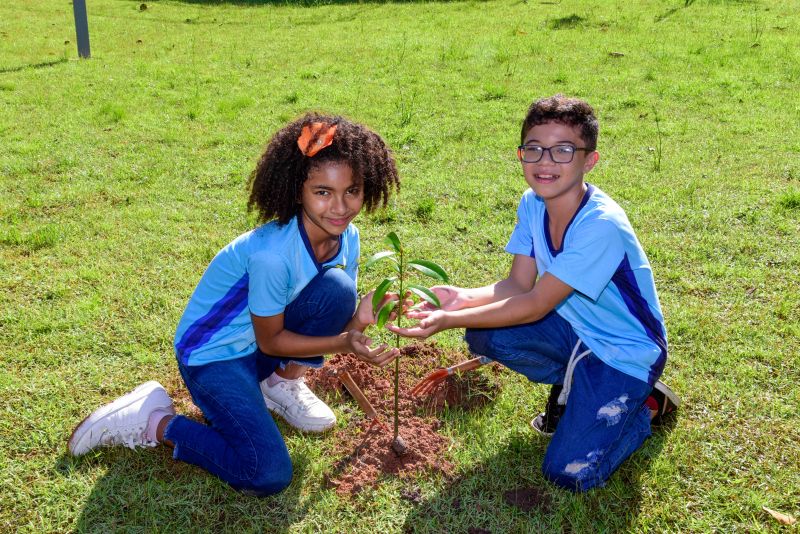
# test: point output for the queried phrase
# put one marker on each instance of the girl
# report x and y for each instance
(267, 306)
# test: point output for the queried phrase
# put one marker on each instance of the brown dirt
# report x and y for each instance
(364, 448)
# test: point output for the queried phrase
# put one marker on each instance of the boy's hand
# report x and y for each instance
(359, 345)
(430, 323)
(450, 297)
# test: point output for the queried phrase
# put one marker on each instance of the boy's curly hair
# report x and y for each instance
(277, 181)
(564, 110)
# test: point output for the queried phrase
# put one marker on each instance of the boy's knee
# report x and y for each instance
(577, 475)
(484, 342)
(478, 340)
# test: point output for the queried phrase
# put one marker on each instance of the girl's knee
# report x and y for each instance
(338, 288)
(324, 306)
(274, 477)
(337, 281)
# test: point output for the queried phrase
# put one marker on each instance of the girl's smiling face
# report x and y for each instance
(331, 198)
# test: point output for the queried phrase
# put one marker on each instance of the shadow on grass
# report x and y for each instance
(41, 65)
(148, 491)
(669, 12)
(508, 493)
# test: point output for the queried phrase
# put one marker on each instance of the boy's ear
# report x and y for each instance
(591, 160)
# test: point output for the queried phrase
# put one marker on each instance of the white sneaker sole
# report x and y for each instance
(304, 426)
(86, 425)
(536, 428)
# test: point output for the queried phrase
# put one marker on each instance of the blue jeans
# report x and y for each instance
(605, 419)
(241, 443)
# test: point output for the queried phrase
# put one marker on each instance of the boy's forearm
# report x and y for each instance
(518, 309)
(481, 296)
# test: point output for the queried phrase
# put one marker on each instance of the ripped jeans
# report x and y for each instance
(605, 419)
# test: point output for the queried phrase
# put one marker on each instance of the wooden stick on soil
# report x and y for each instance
(347, 381)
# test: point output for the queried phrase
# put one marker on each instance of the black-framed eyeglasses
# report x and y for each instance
(558, 153)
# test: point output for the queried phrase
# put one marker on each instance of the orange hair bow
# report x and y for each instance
(315, 137)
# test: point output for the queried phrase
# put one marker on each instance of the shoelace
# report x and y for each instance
(573, 361)
(300, 391)
(129, 437)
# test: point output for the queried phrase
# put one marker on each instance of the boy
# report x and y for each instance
(578, 309)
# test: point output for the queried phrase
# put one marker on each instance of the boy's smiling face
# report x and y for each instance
(551, 180)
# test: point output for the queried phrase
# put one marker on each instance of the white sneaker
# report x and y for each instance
(292, 400)
(122, 422)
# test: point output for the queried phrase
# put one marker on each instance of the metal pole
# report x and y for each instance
(81, 27)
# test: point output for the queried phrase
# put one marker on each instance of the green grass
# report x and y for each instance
(121, 176)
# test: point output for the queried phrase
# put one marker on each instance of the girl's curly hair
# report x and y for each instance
(277, 181)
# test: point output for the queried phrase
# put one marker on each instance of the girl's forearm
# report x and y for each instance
(288, 343)
(355, 324)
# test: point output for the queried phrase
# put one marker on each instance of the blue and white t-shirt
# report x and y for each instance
(614, 308)
(259, 272)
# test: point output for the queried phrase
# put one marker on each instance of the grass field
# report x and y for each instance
(122, 175)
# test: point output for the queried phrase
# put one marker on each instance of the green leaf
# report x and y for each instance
(375, 258)
(384, 312)
(425, 294)
(393, 241)
(381, 290)
(430, 269)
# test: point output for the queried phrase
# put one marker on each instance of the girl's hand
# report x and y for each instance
(430, 323)
(451, 297)
(360, 346)
(365, 314)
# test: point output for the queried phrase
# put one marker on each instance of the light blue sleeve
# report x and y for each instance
(590, 258)
(521, 240)
(269, 284)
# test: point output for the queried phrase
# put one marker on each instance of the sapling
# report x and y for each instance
(659, 145)
(397, 259)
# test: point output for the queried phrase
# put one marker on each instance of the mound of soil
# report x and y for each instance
(364, 448)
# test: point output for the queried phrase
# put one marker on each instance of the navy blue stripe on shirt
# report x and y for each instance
(546, 222)
(626, 284)
(310, 249)
(219, 316)
(307, 243)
